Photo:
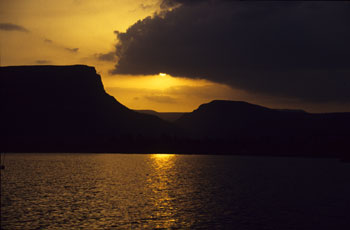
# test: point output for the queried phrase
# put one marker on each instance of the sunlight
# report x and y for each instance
(162, 155)
(163, 82)
(159, 183)
(154, 82)
(168, 93)
(163, 162)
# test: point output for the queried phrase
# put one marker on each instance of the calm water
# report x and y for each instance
(117, 191)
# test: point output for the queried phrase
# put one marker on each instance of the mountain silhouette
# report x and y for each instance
(167, 116)
(66, 108)
(241, 126)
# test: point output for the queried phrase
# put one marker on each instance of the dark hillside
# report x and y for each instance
(245, 127)
(53, 107)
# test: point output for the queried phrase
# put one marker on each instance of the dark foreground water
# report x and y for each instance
(117, 191)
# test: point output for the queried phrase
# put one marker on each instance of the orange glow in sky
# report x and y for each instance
(68, 32)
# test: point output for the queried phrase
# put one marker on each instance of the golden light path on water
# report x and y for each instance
(164, 210)
(168, 191)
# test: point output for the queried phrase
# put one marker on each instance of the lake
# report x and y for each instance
(165, 191)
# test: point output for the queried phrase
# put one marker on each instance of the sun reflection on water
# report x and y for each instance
(164, 211)
(161, 158)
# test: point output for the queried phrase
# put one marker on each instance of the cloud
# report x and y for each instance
(41, 62)
(209, 92)
(146, 6)
(73, 50)
(109, 57)
(285, 49)
(13, 27)
(164, 4)
(161, 99)
(58, 45)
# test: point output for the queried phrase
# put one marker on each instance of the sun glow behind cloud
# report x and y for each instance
(58, 28)
(165, 93)
(71, 32)
(153, 82)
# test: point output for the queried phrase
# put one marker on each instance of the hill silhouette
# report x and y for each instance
(252, 128)
(66, 109)
(167, 116)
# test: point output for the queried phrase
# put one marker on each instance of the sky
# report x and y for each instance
(173, 55)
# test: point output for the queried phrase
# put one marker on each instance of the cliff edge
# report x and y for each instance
(65, 108)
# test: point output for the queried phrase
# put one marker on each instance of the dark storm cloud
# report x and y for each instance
(289, 49)
(12, 27)
(109, 57)
(164, 4)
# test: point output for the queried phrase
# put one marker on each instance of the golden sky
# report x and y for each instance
(67, 32)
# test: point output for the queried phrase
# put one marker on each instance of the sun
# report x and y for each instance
(162, 74)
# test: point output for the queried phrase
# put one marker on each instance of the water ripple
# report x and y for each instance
(165, 191)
